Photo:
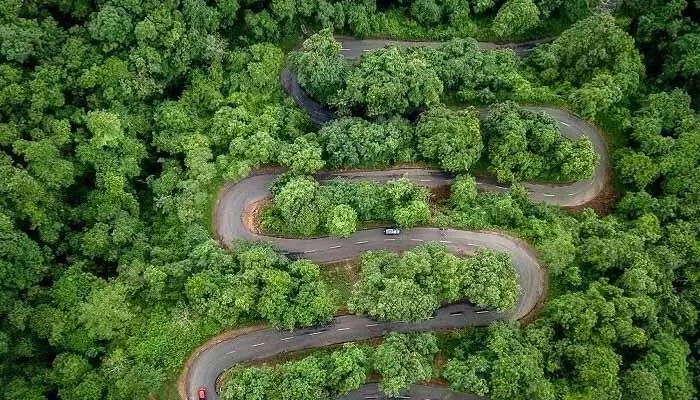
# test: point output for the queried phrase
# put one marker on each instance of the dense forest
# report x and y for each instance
(120, 120)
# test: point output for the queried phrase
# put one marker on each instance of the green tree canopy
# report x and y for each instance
(450, 137)
(403, 360)
(391, 81)
(413, 285)
(525, 145)
(319, 67)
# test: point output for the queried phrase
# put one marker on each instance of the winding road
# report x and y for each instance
(206, 366)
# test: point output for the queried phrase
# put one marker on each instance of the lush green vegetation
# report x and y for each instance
(302, 206)
(401, 360)
(314, 377)
(354, 142)
(118, 121)
(412, 286)
(524, 145)
(400, 80)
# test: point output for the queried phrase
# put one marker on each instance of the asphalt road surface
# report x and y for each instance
(229, 226)
(265, 343)
(565, 195)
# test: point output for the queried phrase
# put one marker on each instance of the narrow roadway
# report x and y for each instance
(565, 195)
(236, 197)
(229, 226)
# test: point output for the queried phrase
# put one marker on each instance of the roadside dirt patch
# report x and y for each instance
(440, 194)
(603, 203)
(251, 215)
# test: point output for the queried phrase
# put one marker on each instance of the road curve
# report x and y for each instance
(229, 226)
(236, 197)
(564, 195)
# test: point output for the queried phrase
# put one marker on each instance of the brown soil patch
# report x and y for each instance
(251, 215)
(440, 194)
(603, 203)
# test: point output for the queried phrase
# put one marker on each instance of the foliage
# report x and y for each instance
(390, 81)
(319, 67)
(463, 192)
(595, 61)
(119, 119)
(515, 18)
(480, 76)
(341, 220)
(413, 285)
(302, 206)
(525, 145)
(507, 366)
(353, 142)
(403, 81)
(303, 156)
(403, 360)
(452, 138)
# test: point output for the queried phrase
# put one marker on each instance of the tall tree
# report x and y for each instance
(451, 137)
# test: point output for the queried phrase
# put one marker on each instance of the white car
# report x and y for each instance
(392, 231)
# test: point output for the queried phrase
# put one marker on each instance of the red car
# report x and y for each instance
(202, 393)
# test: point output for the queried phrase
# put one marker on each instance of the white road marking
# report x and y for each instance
(445, 241)
(472, 244)
(343, 329)
(362, 242)
(259, 344)
(371, 325)
(456, 314)
(335, 247)
(571, 194)
(343, 49)
(231, 352)
(287, 338)
(389, 240)
(480, 183)
(501, 187)
(426, 180)
(482, 312)
(418, 240)
(564, 123)
(310, 251)
(315, 333)
(548, 195)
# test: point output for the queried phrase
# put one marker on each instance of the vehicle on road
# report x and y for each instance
(392, 231)
(202, 394)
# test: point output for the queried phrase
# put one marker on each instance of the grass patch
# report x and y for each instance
(167, 391)
(340, 277)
